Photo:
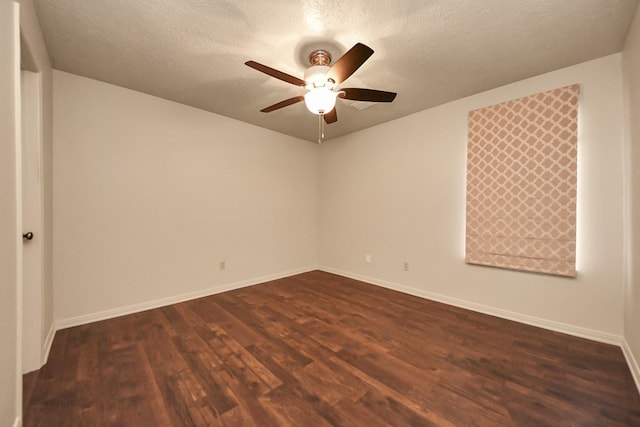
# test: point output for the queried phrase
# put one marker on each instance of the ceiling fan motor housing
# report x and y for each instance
(320, 57)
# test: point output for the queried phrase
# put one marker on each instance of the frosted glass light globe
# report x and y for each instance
(320, 100)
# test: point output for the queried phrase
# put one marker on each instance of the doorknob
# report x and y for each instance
(27, 236)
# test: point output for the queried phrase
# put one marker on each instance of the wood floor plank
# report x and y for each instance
(348, 410)
(183, 395)
(318, 349)
(289, 406)
(209, 311)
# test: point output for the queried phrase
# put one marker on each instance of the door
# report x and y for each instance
(32, 220)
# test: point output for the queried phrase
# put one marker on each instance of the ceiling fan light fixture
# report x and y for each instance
(316, 76)
(320, 100)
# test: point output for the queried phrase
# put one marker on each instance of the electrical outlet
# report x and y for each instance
(367, 259)
(406, 266)
(223, 265)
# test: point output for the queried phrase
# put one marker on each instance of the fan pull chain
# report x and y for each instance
(320, 128)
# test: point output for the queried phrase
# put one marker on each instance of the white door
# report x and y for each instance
(32, 222)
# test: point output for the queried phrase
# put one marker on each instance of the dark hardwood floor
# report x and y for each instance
(321, 350)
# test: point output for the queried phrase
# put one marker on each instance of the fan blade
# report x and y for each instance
(275, 73)
(282, 104)
(348, 63)
(331, 116)
(369, 95)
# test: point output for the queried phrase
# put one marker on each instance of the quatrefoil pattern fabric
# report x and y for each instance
(521, 183)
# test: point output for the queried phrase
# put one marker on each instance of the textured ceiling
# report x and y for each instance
(430, 52)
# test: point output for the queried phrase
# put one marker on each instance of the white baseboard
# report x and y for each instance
(148, 305)
(632, 362)
(46, 348)
(17, 422)
(497, 312)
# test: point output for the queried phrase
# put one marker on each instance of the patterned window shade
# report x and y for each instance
(521, 183)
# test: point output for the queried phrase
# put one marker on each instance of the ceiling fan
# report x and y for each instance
(321, 81)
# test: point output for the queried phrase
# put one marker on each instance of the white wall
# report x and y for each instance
(9, 218)
(631, 60)
(150, 196)
(397, 192)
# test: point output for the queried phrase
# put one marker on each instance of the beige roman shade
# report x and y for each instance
(521, 183)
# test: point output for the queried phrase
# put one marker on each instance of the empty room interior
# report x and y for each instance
(279, 213)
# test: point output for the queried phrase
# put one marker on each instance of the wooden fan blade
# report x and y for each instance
(275, 73)
(369, 95)
(282, 104)
(331, 116)
(348, 63)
